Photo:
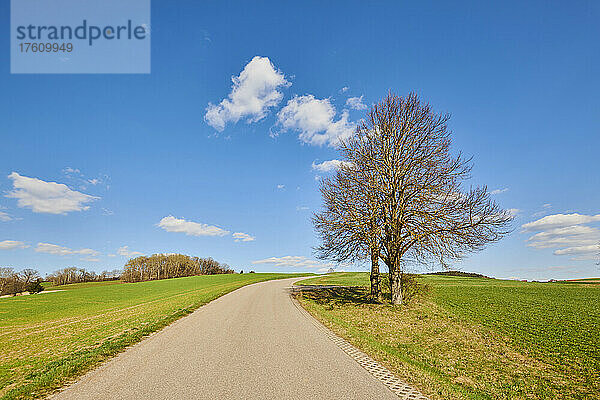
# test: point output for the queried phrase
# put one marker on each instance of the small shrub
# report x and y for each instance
(34, 287)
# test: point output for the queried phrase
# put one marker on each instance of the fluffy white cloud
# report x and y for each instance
(12, 244)
(293, 262)
(280, 187)
(243, 237)
(5, 217)
(559, 220)
(172, 224)
(329, 165)
(568, 234)
(125, 252)
(498, 191)
(254, 91)
(47, 197)
(315, 120)
(64, 251)
(576, 235)
(356, 103)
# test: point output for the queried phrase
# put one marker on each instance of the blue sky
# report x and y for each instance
(185, 160)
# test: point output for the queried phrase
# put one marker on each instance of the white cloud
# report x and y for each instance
(280, 187)
(293, 262)
(576, 235)
(498, 191)
(70, 170)
(329, 165)
(4, 217)
(513, 212)
(76, 177)
(172, 224)
(356, 103)
(579, 250)
(253, 92)
(47, 197)
(64, 251)
(314, 119)
(243, 237)
(12, 244)
(344, 89)
(559, 220)
(125, 252)
(91, 259)
(302, 208)
(568, 234)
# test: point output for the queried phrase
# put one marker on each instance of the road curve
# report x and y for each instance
(253, 343)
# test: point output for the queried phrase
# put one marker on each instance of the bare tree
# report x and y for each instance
(349, 225)
(165, 266)
(29, 275)
(10, 282)
(403, 167)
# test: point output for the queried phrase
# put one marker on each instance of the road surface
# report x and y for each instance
(253, 343)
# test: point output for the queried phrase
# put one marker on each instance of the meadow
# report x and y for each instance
(49, 339)
(474, 338)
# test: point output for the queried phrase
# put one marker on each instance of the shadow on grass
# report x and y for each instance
(331, 295)
(338, 295)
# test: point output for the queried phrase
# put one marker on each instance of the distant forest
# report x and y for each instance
(459, 273)
(144, 268)
(165, 266)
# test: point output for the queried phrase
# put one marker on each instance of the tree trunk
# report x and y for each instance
(395, 285)
(375, 277)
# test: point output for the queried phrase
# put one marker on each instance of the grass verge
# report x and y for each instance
(472, 338)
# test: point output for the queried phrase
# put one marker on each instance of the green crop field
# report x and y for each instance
(49, 338)
(474, 338)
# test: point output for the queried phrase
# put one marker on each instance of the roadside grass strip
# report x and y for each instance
(473, 338)
(48, 341)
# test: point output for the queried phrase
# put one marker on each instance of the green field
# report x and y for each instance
(47, 339)
(475, 338)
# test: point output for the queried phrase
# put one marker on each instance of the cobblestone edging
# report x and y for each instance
(401, 389)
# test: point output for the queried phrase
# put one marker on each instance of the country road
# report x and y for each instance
(253, 343)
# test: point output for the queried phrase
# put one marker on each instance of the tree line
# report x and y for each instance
(13, 282)
(70, 275)
(165, 266)
(143, 268)
(400, 196)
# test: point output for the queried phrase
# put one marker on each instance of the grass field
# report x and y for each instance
(474, 338)
(48, 339)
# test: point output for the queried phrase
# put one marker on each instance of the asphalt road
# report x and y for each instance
(253, 343)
